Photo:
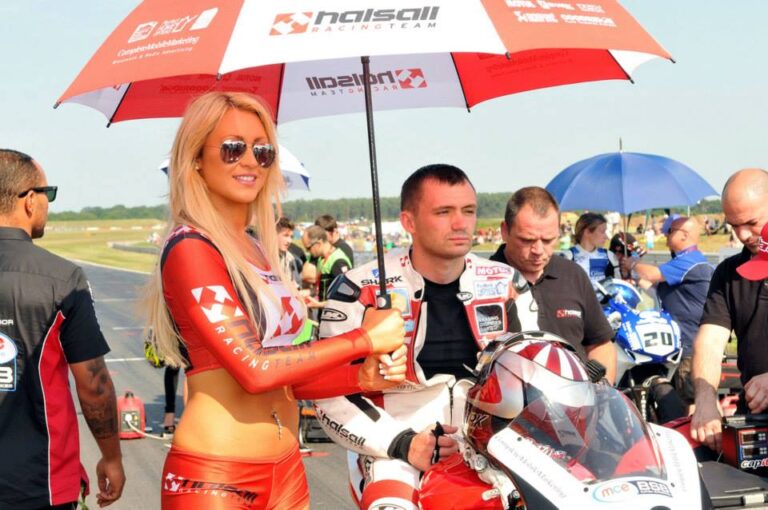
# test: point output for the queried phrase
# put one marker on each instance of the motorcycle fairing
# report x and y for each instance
(601, 454)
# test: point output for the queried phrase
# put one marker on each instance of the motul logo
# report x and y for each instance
(301, 22)
(404, 78)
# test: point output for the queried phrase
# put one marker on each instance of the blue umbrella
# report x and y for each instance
(627, 182)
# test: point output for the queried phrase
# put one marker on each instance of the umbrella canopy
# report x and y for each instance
(294, 173)
(627, 182)
(167, 52)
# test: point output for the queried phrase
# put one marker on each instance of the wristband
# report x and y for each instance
(401, 445)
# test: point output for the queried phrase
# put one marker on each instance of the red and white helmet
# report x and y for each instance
(515, 371)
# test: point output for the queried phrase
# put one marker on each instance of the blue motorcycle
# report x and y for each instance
(648, 349)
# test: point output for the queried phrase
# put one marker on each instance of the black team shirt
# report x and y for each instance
(449, 342)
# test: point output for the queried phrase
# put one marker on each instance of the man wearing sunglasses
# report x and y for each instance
(47, 328)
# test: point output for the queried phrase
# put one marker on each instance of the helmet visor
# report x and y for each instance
(600, 439)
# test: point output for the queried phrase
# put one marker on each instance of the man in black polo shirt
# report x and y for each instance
(734, 304)
(567, 305)
(47, 326)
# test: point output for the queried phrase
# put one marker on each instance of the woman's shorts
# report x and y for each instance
(193, 481)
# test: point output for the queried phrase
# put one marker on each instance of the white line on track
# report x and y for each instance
(83, 262)
(116, 360)
(127, 328)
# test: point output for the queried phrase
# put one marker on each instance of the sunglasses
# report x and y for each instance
(50, 192)
(232, 151)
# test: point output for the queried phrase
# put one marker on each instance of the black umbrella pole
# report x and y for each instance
(383, 301)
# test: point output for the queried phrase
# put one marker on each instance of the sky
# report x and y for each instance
(708, 110)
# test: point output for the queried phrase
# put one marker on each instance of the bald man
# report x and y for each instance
(734, 304)
(682, 285)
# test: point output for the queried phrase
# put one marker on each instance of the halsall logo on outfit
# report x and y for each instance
(216, 303)
(562, 313)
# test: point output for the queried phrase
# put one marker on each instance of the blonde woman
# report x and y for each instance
(218, 290)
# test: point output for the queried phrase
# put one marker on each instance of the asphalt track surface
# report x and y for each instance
(116, 294)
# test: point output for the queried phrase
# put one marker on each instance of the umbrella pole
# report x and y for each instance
(383, 301)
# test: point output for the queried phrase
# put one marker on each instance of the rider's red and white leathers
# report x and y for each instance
(496, 299)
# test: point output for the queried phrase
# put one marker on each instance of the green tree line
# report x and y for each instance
(489, 205)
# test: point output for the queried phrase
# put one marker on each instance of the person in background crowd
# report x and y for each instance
(331, 261)
(170, 386)
(289, 264)
(454, 304)
(590, 237)
(682, 285)
(735, 303)
(328, 223)
(623, 246)
(650, 237)
(218, 291)
(563, 295)
(48, 328)
(565, 238)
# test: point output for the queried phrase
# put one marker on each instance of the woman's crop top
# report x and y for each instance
(218, 333)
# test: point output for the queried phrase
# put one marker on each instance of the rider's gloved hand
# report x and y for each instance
(424, 445)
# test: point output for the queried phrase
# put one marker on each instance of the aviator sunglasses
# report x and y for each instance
(49, 191)
(232, 151)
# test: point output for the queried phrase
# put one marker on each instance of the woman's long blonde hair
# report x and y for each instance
(190, 204)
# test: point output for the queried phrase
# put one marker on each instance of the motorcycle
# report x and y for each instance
(539, 434)
(648, 349)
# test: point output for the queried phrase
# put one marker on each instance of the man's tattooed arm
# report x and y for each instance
(97, 400)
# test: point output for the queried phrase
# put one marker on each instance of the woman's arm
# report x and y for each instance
(203, 302)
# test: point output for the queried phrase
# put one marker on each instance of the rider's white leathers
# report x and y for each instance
(496, 299)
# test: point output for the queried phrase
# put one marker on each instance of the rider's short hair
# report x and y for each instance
(441, 172)
(539, 199)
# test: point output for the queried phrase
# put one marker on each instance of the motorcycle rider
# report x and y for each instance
(454, 303)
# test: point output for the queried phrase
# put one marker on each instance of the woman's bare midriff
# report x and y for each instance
(222, 419)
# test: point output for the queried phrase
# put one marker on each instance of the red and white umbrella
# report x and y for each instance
(303, 56)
